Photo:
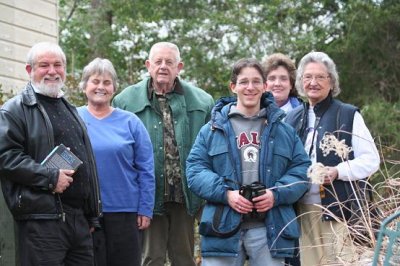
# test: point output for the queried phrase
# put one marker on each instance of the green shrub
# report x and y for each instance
(383, 120)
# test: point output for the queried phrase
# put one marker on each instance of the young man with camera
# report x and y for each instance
(250, 167)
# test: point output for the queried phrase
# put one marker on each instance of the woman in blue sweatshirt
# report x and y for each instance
(124, 158)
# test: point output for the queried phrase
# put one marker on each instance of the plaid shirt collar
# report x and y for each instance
(176, 88)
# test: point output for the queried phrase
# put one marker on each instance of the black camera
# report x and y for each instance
(249, 192)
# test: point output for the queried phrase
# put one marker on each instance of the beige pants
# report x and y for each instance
(171, 233)
(323, 242)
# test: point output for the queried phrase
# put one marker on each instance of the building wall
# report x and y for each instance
(22, 24)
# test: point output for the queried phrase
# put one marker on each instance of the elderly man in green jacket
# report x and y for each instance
(173, 112)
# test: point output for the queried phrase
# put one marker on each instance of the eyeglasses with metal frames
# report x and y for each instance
(318, 78)
(246, 83)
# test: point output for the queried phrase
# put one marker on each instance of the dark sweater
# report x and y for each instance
(67, 131)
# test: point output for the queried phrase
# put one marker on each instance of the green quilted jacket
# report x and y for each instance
(190, 110)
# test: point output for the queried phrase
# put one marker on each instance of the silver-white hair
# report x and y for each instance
(44, 47)
(98, 66)
(323, 58)
(165, 45)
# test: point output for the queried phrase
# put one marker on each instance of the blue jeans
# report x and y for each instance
(252, 243)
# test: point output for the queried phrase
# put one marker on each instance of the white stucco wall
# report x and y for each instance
(22, 24)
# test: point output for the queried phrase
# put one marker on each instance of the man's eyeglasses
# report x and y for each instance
(318, 78)
(246, 83)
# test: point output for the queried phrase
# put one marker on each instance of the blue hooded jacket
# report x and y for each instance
(214, 166)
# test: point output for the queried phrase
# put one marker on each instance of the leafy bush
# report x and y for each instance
(4, 96)
(382, 118)
(72, 91)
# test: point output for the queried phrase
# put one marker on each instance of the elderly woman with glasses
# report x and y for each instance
(325, 238)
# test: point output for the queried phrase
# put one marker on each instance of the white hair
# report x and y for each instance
(44, 47)
(165, 45)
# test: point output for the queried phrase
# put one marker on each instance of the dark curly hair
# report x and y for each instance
(246, 62)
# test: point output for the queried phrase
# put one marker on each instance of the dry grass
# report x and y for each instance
(385, 192)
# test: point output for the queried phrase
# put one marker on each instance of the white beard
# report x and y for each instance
(52, 90)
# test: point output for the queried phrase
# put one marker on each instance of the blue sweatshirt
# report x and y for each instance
(124, 158)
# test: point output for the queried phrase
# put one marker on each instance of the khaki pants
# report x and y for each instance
(323, 242)
(172, 232)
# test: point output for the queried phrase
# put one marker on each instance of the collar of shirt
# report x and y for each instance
(177, 88)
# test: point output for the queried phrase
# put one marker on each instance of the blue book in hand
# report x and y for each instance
(62, 158)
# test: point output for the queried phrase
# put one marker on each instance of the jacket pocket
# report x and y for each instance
(281, 157)
(31, 202)
(226, 226)
(284, 223)
(220, 158)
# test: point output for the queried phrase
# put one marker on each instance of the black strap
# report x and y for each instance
(217, 220)
(317, 119)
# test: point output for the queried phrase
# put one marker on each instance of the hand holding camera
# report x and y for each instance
(261, 198)
(264, 202)
(251, 200)
(238, 202)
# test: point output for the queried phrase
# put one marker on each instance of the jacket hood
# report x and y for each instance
(219, 113)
